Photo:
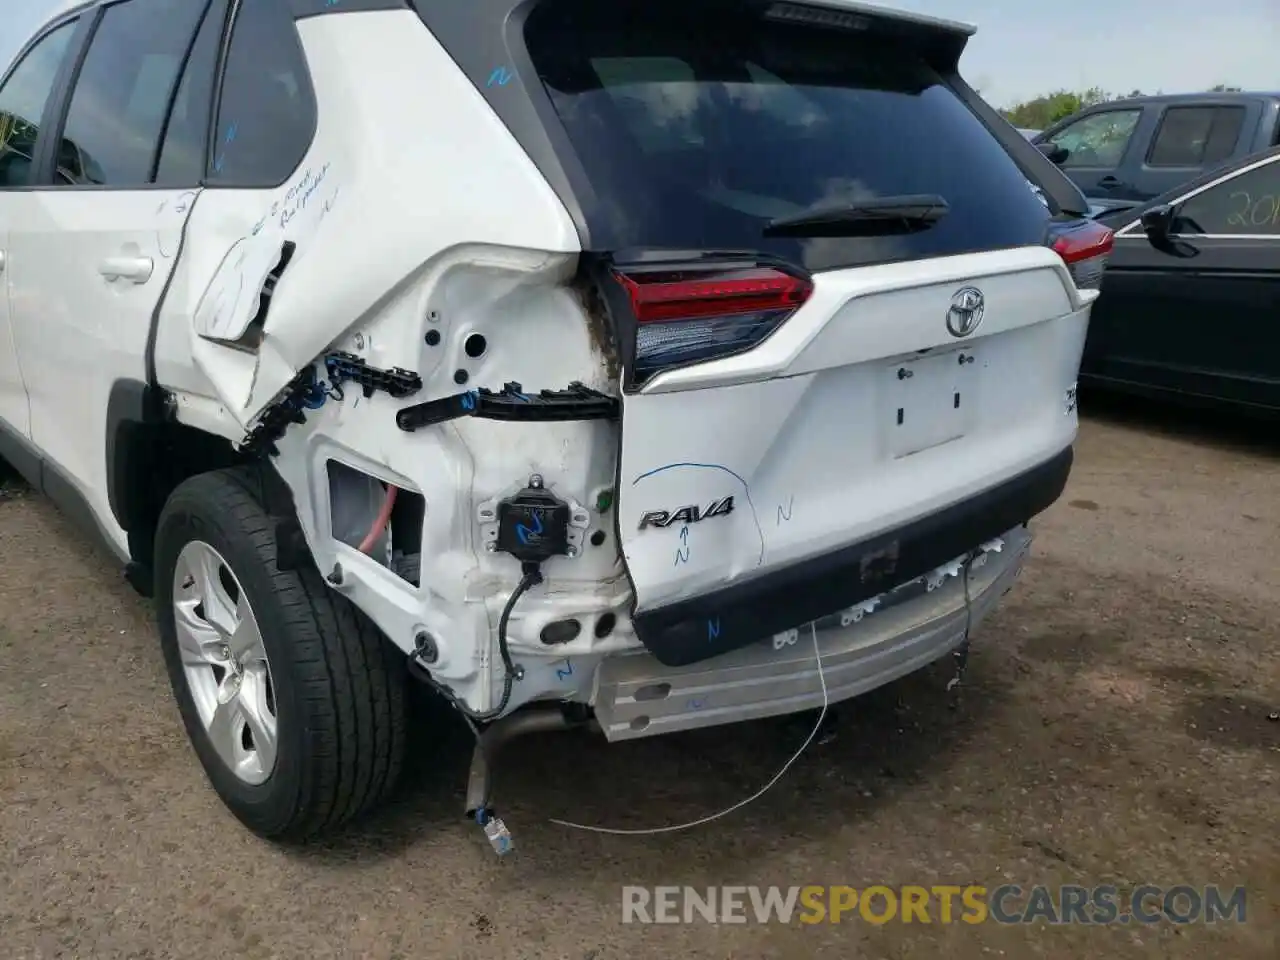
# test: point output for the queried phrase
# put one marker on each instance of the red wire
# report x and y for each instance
(380, 522)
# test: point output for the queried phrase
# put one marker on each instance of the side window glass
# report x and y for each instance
(117, 110)
(182, 155)
(266, 116)
(1247, 204)
(22, 101)
(1098, 140)
(1196, 136)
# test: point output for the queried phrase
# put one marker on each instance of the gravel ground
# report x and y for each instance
(1113, 728)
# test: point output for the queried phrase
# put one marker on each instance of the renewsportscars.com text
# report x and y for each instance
(971, 904)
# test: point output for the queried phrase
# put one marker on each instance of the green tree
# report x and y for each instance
(1049, 108)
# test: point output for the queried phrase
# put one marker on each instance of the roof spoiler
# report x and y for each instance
(941, 41)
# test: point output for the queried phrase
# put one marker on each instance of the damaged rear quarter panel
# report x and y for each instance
(408, 162)
(414, 211)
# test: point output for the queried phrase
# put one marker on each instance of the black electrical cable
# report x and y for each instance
(532, 577)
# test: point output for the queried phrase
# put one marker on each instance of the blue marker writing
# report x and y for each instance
(524, 533)
(784, 513)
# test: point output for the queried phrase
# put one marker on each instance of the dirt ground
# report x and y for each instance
(1114, 728)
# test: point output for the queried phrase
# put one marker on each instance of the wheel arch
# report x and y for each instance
(148, 454)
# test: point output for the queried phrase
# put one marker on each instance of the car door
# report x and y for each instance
(92, 244)
(1096, 146)
(24, 96)
(1190, 140)
(1201, 320)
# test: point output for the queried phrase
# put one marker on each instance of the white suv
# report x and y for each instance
(650, 363)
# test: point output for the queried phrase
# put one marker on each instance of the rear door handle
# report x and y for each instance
(1109, 181)
(135, 269)
(1, 260)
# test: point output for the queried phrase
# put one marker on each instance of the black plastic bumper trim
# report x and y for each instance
(714, 623)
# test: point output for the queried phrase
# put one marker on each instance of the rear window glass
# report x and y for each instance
(696, 129)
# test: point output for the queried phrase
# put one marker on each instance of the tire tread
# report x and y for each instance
(352, 690)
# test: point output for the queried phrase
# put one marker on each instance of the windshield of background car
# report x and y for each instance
(696, 128)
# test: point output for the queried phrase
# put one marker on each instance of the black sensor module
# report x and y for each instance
(533, 525)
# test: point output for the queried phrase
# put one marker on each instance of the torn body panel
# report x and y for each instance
(461, 468)
(463, 288)
(483, 317)
(364, 212)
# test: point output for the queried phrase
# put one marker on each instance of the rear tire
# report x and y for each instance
(335, 691)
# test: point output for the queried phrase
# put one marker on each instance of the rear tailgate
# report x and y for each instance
(856, 444)
(809, 416)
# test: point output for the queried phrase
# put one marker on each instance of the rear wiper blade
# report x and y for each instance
(876, 217)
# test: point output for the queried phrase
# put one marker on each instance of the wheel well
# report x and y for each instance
(147, 462)
(148, 454)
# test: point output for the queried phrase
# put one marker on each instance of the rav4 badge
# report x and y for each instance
(690, 514)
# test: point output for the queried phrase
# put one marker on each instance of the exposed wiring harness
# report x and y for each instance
(531, 578)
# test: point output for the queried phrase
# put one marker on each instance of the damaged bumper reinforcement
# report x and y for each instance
(917, 623)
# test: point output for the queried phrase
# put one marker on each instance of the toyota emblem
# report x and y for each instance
(966, 311)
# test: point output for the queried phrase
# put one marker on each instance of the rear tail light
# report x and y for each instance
(1085, 249)
(690, 315)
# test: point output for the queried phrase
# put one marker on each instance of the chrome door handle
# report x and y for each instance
(1, 259)
(135, 269)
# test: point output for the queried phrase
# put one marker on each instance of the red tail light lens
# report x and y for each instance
(1085, 250)
(693, 315)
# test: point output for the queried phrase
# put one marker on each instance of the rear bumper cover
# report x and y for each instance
(714, 623)
(639, 697)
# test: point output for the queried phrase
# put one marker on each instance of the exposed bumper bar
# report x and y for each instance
(638, 696)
